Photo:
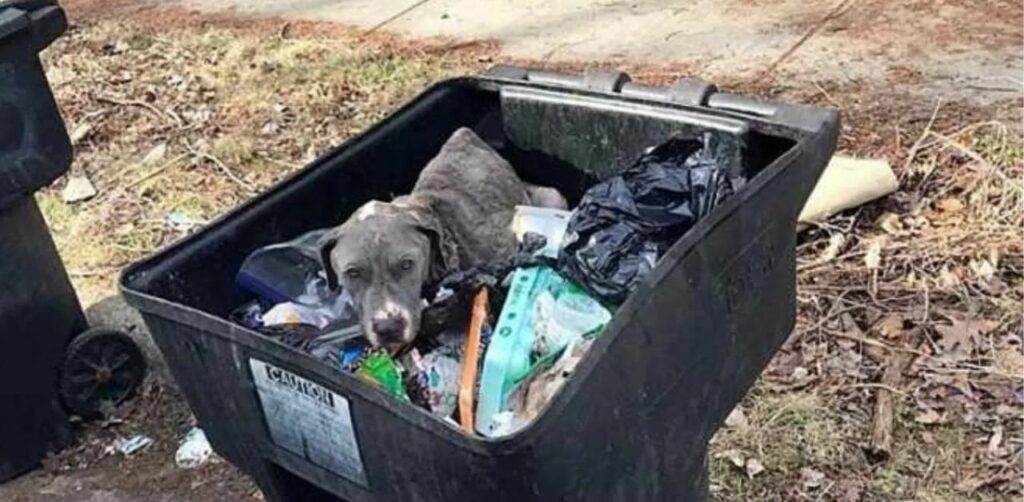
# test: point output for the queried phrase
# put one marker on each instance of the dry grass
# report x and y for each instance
(948, 264)
(187, 122)
(185, 117)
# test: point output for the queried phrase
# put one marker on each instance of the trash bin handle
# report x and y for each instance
(685, 91)
(44, 18)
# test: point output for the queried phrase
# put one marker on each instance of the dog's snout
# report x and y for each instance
(390, 328)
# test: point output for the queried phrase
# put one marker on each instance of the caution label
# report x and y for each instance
(309, 420)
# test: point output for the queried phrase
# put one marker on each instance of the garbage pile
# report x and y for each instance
(497, 342)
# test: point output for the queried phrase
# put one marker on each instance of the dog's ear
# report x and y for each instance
(444, 253)
(326, 245)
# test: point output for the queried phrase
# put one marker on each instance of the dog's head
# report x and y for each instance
(384, 255)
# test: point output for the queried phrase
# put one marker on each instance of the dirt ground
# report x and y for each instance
(87, 472)
(178, 116)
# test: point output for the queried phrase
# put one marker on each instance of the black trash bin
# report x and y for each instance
(41, 354)
(632, 424)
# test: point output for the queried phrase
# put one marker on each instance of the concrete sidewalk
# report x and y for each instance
(938, 45)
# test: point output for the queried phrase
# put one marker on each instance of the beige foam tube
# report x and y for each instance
(847, 182)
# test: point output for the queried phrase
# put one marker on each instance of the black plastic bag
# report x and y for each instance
(452, 310)
(626, 223)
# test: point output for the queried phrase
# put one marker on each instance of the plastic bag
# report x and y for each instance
(528, 222)
(542, 314)
(337, 309)
(451, 297)
(287, 271)
(563, 314)
(626, 223)
(529, 397)
(435, 383)
(194, 450)
(378, 368)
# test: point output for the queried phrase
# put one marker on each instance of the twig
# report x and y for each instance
(80, 274)
(547, 56)
(282, 163)
(828, 317)
(156, 172)
(223, 167)
(177, 118)
(825, 93)
(880, 446)
(992, 89)
(964, 366)
(883, 386)
(917, 144)
(396, 16)
(142, 104)
(836, 11)
(821, 496)
(966, 130)
(807, 267)
(972, 154)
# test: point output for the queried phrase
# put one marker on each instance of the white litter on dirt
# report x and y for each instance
(194, 451)
(79, 188)
(129, 446)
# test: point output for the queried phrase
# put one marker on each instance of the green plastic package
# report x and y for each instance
(382, 371)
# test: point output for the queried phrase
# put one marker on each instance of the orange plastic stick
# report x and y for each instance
(467, 386)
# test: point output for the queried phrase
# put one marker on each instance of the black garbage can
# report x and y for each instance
(42, 355)
(633, 422)
(38, 308)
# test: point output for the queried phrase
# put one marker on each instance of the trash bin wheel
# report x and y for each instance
(101, 365)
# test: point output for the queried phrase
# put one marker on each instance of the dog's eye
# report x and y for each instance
(353, 273)
(406, 264)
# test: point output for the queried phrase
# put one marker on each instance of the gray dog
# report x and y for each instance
(458, 216)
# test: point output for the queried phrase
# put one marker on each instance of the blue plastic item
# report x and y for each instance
(289, 271)
(349, 355)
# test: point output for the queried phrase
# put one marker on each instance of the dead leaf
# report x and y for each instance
(1000, 389)
(993, 257)
(78, 189)
(737, 420)
(156, 154)
(873, 257)
(812, 478)
(910, 280)
(961, 382)
(124, 229)
(754, 467)
(849, 490)
(849, 325)
(891, 224)
(970, 484)
(889, 327)
(80, 132)
(800, 373)
(995, 441)
(950, 205)
(836, 243)
(949, 277)
(983, 269)
(960, 338)
(1009, 360)
(929, 417)
(735, 456)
